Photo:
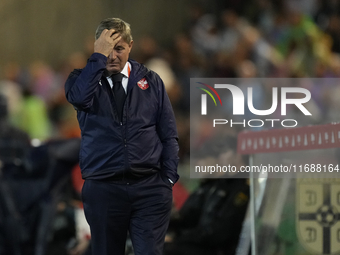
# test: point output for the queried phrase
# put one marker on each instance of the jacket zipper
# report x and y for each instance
(125, 134)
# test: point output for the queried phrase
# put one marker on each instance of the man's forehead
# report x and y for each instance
(122, 43)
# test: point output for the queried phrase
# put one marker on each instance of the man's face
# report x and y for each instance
(118, 57)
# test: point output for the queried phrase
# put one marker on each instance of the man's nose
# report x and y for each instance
(113, 55)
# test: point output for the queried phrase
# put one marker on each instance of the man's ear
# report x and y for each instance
(130, 45)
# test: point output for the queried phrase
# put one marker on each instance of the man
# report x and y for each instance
(129, 147)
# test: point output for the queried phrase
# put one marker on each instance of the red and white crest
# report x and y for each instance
(143, 84)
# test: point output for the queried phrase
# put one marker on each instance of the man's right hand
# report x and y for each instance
(106, 42)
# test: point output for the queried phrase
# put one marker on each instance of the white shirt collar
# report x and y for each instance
(126, 68)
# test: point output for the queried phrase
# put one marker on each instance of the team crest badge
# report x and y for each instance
(318, 215)
(143, 84)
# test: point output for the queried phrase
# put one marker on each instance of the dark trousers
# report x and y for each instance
(142, 208)
(189, 249)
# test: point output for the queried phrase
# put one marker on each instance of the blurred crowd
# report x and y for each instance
(235, 39)
(249, 38)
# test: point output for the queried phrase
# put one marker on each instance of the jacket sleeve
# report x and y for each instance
(81, 85)
(167, 132)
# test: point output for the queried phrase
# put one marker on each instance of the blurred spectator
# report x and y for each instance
(307, 7)
(61, 113)
(34, 117)
(42, 80)
(230, 34)
(26, 111)
(162, 67)
(14, 72)
(210, 220)
(205, 35)
(14, 144)
(333, 29)
(146, 48)
(13, 93)
(303, 44)
(186, 64)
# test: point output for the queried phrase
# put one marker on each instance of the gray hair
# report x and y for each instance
(117, 24)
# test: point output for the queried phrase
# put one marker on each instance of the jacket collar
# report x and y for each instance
(138, 71)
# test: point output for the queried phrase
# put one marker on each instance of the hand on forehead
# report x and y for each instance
(106, 42)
